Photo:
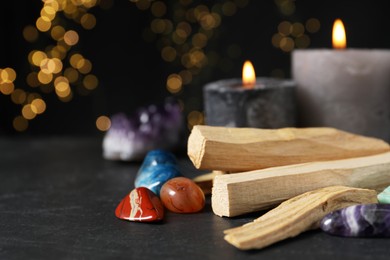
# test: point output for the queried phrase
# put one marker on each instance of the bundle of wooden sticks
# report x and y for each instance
(269, 166)
(255, 169)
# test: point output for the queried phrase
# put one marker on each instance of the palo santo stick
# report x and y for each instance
(238, 193)
(296, 215)
(205, 181)
(245, 149)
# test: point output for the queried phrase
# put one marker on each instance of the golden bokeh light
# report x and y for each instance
(43, 24)
(302, 41)
(90, 82)
(20, 124)
(71, 37)
(47, 66)
(168, 53)
(64, 92)
(62, 88)
(313, 25)
(297, 29)
(48, 12)
(70, 10)
(27, 112)
(32, 79)
(186, 76)
(7, 88)
(32, 96)
(57, 32)
(30, 33)
(158, 26)
(276, 38)
(38, 106)
(45, 78)
(286, 44)
(284, 28)
(53, 3)
(18, 96)
(103, 123)
(71, 74)
(60, 79)
(67, 98)
(84, 66)
(7, 75)
(195, 118)
(174, 83)
(199, 40)
(158, 9)
(37, 57)
(286, 7)
(75, 59)
(88, 21)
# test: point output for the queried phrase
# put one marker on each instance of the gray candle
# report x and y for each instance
(270, 103)
(347, 89)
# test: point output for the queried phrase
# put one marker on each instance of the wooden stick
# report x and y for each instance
(245, 149)
(296, 215)
(205, 181)
(240, 193)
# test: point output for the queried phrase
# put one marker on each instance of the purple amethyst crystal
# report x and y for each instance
(151, 127)
(371, 220)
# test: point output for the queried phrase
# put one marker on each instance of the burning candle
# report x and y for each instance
(344, 88)
(250, 102)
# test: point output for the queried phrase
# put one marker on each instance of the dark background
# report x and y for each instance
(132, 73)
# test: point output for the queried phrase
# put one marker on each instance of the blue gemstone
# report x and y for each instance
(157, 168)
(158, 157)
(371, 220)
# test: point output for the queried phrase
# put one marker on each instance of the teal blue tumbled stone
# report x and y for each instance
(157, 168)
(384, 196)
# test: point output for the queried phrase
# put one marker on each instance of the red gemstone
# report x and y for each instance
(141, 205)
(182, 195)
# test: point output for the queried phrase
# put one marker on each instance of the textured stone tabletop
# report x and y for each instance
(57, 201)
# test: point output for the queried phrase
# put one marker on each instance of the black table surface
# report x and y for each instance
(57, 201)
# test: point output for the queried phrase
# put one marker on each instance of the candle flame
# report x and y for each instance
(339, 39)
(248, 75)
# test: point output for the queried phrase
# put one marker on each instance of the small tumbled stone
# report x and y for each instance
(384, 196)
(158, 157)
(182, 195)
(371, 220)
(158, 167)
(140, 205)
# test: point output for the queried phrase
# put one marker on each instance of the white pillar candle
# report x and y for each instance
(347, 89)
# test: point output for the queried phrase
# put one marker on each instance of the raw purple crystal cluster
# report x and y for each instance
(151, 127)
(371, 220)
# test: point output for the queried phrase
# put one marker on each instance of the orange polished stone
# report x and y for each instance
(140, 205)
(182, 195)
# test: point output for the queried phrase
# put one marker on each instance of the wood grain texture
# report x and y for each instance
(240, 193)
(245, 149)
(205, 181)
(296, 215)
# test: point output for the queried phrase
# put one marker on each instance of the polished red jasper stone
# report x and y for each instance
(182, 195)
(141, 205)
